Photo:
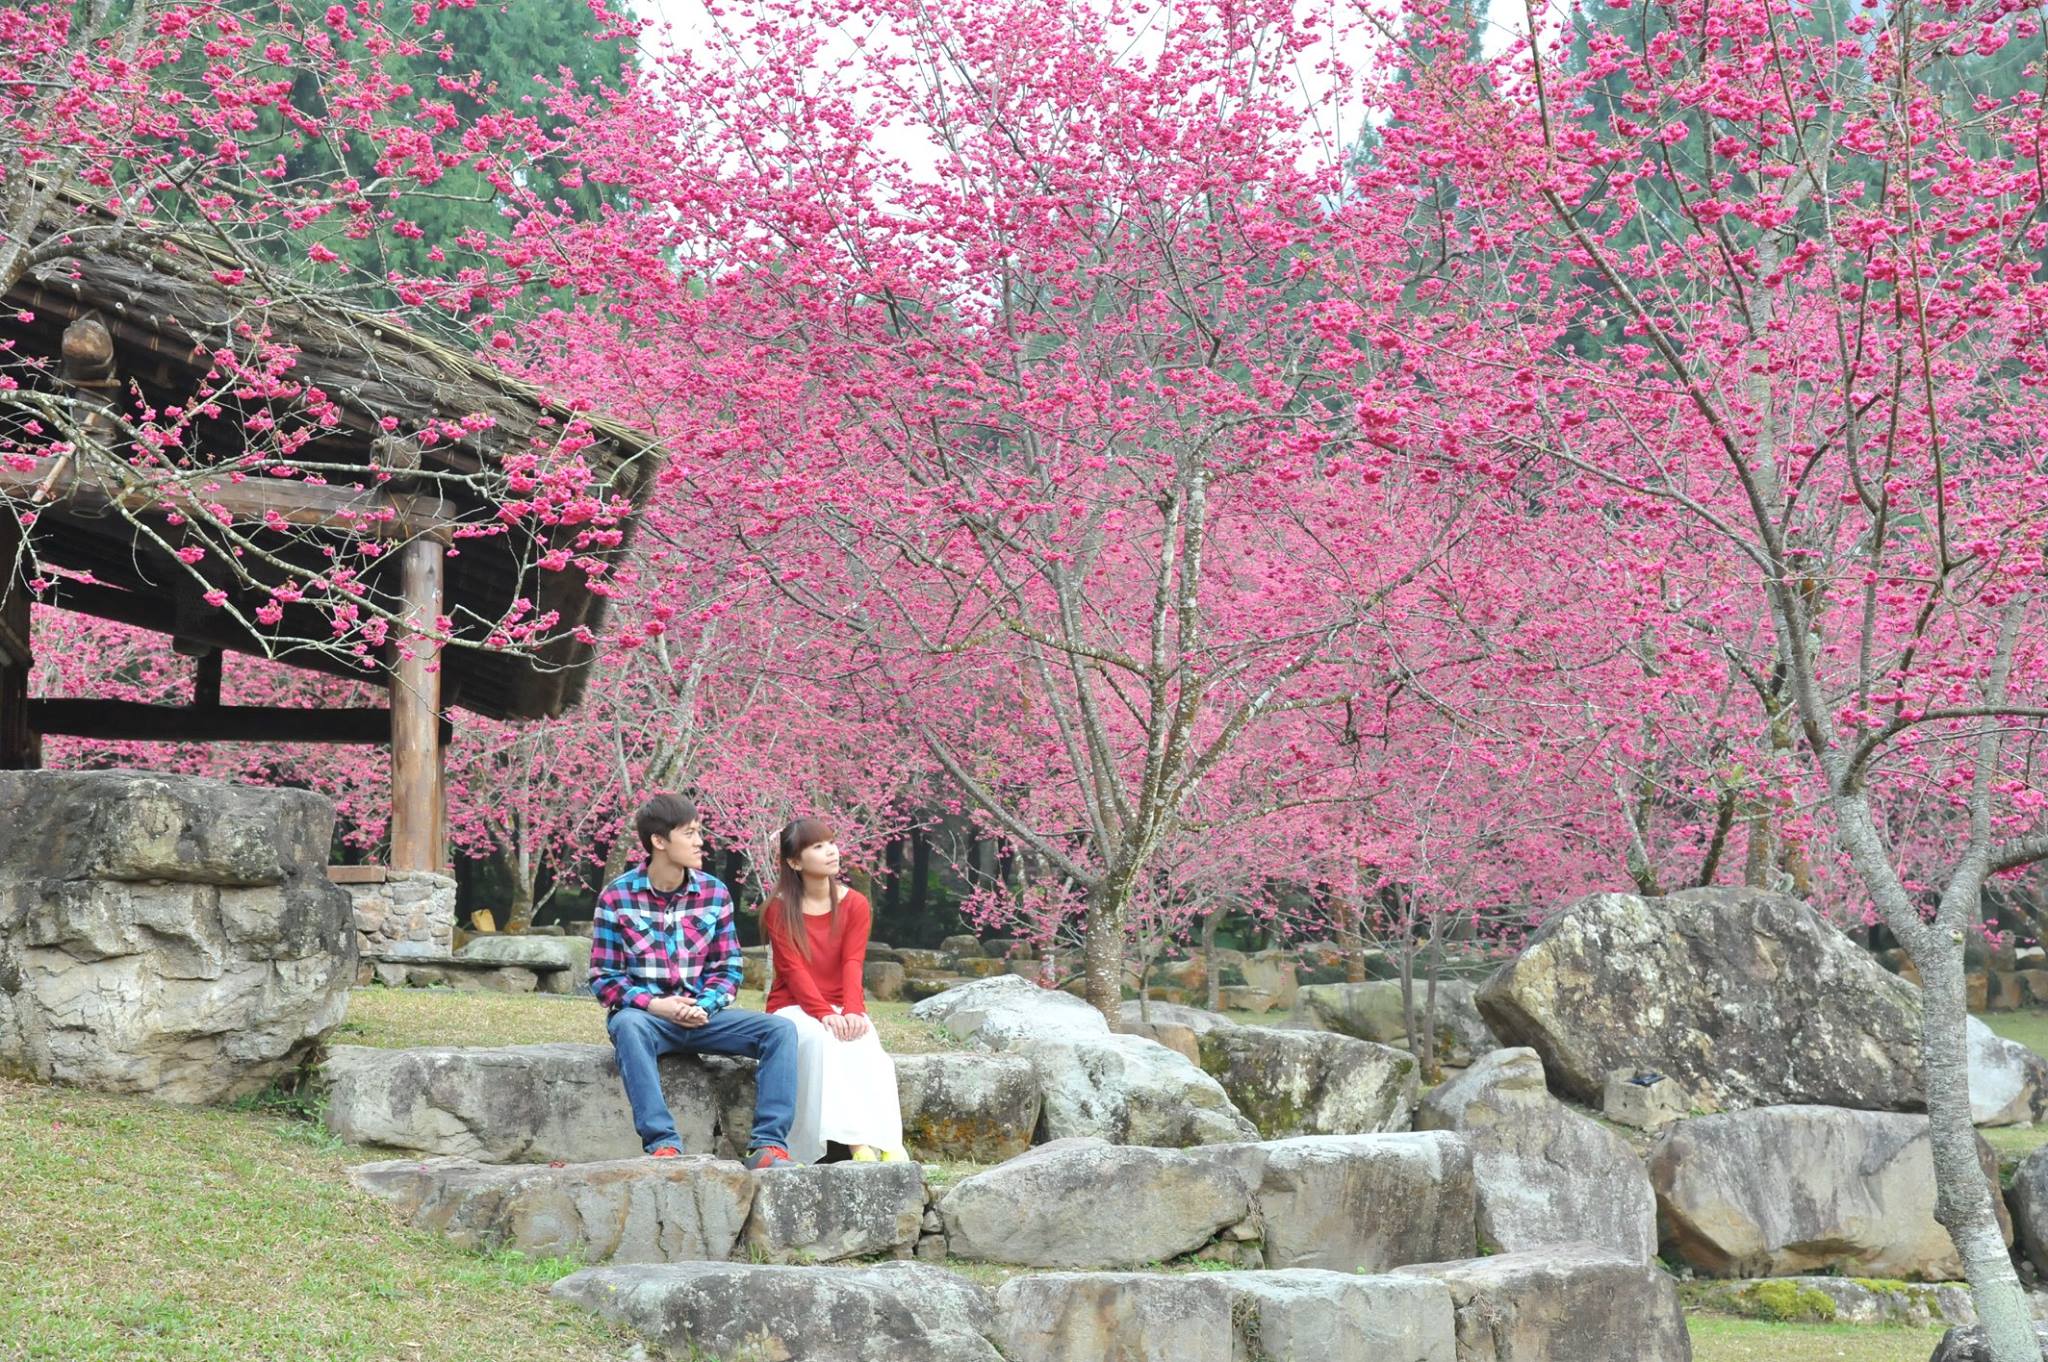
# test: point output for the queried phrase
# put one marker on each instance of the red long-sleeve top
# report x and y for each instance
(831, 978)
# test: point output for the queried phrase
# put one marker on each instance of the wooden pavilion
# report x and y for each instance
(141, 321)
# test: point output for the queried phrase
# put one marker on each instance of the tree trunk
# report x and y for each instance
(1962, 1193)
(1212, 974)
(1102, 949)
(920, 871)
(892, 891)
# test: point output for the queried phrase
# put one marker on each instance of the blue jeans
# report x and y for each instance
(640, 1039)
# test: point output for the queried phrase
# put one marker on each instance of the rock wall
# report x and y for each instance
(166, 935)
(408, 913)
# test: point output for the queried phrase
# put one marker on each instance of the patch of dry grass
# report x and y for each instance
(130, 1229)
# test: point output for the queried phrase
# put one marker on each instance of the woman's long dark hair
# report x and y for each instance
(788, 907)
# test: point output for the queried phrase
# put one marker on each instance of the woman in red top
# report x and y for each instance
(818, 934)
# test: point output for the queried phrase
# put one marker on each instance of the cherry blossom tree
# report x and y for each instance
(1772, 273)
(1080, 440)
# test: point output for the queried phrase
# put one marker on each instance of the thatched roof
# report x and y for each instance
(165, 309)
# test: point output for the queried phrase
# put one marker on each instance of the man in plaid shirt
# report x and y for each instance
(665, 962)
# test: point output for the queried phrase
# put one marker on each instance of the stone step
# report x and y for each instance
(1363, 1203)
(646, 1210)
(564, 1102)
(1562, 1304)
(1225, 1317)
(1574, 1306)
(892, 1312)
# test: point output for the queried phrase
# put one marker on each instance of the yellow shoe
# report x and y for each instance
(894, 1156)
(865, 1153)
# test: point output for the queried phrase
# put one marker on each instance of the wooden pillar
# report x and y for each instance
(417, 812)
(20, 749)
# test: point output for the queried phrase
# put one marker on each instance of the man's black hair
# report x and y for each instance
(660, 816)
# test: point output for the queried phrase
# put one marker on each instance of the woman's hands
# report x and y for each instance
(847, 1025)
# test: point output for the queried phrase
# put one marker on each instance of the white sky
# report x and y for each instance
(690, 25)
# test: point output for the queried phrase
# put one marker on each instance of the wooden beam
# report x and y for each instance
(133, 721)
(366, 513)
(416, 804)
(357, 874)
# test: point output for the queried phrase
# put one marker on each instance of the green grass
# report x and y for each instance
(399, 1018)
(2029, 1028)
(1718, 1339)
(133, 1230)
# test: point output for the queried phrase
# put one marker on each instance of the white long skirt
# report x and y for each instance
(845, 1090)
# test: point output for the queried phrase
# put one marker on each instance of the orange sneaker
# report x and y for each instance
(770, 1156)
(664, 1151)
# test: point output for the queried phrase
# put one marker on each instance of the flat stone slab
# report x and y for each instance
(894, 1312)
(637, 1210)
(532, 952)
(1346, 1203)
(646, 1210)
(1297, 1316)
(537, 1103)
(1568, 1304)
(519, 1103)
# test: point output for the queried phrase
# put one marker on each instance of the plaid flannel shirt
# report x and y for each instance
(645, 944)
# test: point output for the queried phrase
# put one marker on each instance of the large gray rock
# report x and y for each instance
(735, 1311)
(1366, 1011)
(1374, 1011)
(1784, 1191)
(831, 1211)
(1273, 972)
(972, 1106)
(2008, 1082)
(1362, 1203)
(2028, 1199)
(1004, 1010)
(1562, 1305)
(1968, 1345)
(1195, 1019)
(1545, 1174)
(1311, 1083)
(1299, 1316)
(1083, 1203)
(632, 1211)
(166, 935)
(1129, 1090)
(1747, 998)
(146, 825)
(519, 1103)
